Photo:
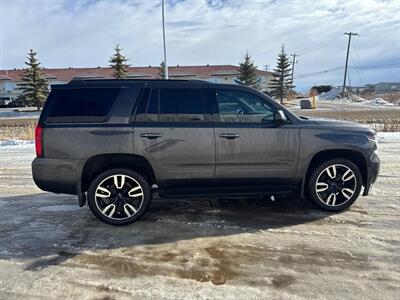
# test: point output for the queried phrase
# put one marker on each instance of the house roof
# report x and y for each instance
(67, 74)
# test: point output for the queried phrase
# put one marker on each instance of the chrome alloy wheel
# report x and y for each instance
(119, 197)
(336, 185)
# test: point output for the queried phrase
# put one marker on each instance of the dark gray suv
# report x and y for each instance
(115, 142)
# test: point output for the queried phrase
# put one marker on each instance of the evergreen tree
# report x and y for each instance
(248, 72)
(161, 70)
(118, 63)
(281, 83)
(33, 85)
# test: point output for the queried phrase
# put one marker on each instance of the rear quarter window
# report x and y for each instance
(81, 104)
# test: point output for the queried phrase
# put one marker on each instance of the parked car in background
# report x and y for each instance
(5, 100)
(17, 102)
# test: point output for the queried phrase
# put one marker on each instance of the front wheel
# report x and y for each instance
(335, 185)
(119, 196)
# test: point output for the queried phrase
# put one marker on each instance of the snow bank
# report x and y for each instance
(379, 102)
(388, 137)
(334, 93)
(17, 143)
(13, 113)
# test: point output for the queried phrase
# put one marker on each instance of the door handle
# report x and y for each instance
(229, 135)
(151, 135)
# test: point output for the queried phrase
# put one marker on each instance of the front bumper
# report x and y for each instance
(373, 172)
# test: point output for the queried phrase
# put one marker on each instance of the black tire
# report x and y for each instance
(123, 208)
(343, 198)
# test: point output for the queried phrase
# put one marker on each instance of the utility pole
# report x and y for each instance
(266, 68)
(291, 77)
(165, 47)
(347, 59)
(293, 62)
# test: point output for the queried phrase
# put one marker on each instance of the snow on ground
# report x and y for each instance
(17, 143)
(19, 113)
(334, 95)
(379, 101)
(388, 137)
(198, 249)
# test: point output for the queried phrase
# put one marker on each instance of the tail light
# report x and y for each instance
(39, 140)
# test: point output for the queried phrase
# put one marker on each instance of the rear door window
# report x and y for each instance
(181, 105)
(82, 105)
(147, 110)
(171, 105)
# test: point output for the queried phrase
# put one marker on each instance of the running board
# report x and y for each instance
(226, 192)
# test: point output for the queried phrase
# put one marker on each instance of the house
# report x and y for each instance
(383, 87)
(9, 79)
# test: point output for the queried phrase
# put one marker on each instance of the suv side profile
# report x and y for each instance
(115, 142)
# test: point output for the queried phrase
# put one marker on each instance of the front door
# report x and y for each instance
(251, 150)
(173, 132)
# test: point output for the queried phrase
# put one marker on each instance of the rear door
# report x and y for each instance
(174, 132)
(251, 149)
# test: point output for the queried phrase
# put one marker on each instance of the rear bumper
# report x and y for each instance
(56, 175)
(373, 172)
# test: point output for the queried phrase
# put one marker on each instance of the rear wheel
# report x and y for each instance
(335, 184)
(119, 196)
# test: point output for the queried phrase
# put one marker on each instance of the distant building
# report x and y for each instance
(213, 73)
(384, 87)
(359, 89)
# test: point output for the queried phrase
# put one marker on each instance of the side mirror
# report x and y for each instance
(280, 117)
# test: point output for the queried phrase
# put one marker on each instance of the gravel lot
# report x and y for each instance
(201, 249)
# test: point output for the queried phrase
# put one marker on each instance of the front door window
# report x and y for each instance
(238, 106)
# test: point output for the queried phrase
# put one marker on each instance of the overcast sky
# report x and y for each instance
(83, 34)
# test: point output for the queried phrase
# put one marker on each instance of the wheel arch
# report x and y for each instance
(354, 156)
(100, 163)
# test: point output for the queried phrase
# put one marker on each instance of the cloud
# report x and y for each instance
(83, 33)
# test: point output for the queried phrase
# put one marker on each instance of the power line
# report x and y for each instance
(319, 72)
(358, 62)
(373, 67)
(385, 66)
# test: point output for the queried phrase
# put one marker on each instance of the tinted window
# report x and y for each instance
(239, 106)
(152, 107)
(181, 105)
(82, 105)
(142, 106)
(147, 110)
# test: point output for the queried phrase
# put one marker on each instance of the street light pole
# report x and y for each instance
(165, 47)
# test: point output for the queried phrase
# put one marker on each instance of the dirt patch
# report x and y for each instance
(17, 129)
(220, 264)
(282, 281)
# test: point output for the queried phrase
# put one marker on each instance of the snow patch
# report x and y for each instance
(17, 143)
(379, 102)
(388, 137)
(334, 93)
(15, 113)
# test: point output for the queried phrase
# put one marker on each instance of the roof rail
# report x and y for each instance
(78, 81)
